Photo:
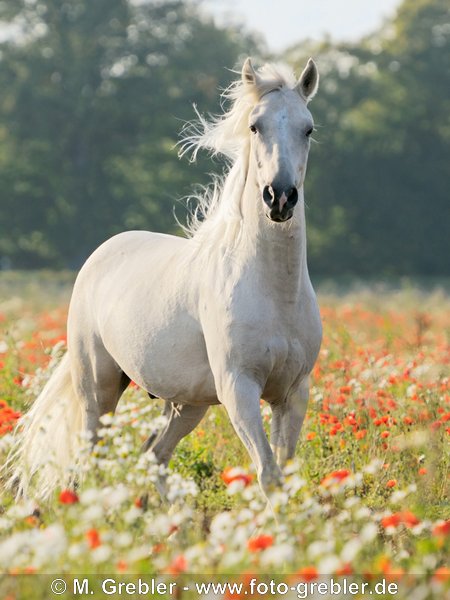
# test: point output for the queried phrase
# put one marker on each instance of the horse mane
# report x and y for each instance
(227, 135)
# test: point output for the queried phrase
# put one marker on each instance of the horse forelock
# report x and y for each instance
(226, 133)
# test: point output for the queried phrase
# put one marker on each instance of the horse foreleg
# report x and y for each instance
(241, 398)
(287, 420)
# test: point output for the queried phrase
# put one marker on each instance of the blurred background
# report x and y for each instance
(94, 93)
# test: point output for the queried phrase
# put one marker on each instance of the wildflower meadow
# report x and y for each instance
(365, 498)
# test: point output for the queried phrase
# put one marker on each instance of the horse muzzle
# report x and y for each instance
(281, 202)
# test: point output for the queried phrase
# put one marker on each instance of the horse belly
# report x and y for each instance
(169, 361)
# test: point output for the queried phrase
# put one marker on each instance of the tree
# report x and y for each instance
(95, 93)
(379, 178)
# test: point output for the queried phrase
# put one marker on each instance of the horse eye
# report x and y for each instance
(253, 129)
(309, 131)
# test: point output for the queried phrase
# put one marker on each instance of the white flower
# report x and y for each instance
(6, 441)
(363, 513)
(277, 555)
(279, 498)
(350, 550)
(368, 533)
(101, 554)
(343, 516)
(137, 553)
(256, 505)
(236, 486)
(21, 509)
(105, 432)
(179, 515)
(221, 525)
(328, 564)
(292, 467)
(5, 524)
(107, 419)
(132, 514)
(124, 539)
(244, 515)
(397, 496)
(374, 466)
(159, 526)
(92, 513)
(352, 501)
(231, 558)
(429, 561)
(178, 488)
(76, 550)
(320, 547)
(90, 496)
(419, 528)
(411, 390)
(13, 548)
(114, 497)
(293, 484)
(49, 544)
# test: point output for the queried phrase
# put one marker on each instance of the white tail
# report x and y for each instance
(47, 438)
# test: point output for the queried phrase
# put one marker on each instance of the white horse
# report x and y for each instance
(227, 316)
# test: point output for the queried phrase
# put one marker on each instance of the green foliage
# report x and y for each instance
(378, 179)
(94, 94)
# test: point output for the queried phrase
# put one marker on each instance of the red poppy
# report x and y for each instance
(405, 517)
(259, 543)
(93, 538)
(442, 528)
(68, 497)
(308, 573)
(442, 574)
(178, 565)
(335, 477)
(231, 474)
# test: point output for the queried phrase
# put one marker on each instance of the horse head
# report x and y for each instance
(281, 127)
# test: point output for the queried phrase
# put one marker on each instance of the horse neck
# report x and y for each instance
(278, 251)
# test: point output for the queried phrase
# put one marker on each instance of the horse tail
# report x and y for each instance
(47, 438)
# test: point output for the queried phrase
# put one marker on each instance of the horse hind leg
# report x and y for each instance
(99, 384)
(157, 433)
(183, 419)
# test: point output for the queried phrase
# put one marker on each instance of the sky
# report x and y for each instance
(286, 22)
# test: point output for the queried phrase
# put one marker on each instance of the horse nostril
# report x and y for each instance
(268, 196)
(292, 197)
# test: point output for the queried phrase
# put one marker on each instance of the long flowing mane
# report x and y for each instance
(218, 205)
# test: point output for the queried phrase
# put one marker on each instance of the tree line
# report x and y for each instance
(94, 94)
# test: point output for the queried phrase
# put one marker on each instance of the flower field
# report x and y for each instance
(366, 497)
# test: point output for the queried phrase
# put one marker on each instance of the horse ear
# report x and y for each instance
(309, 81)
(249, 75)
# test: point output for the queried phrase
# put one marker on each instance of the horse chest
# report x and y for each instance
(276, 343)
